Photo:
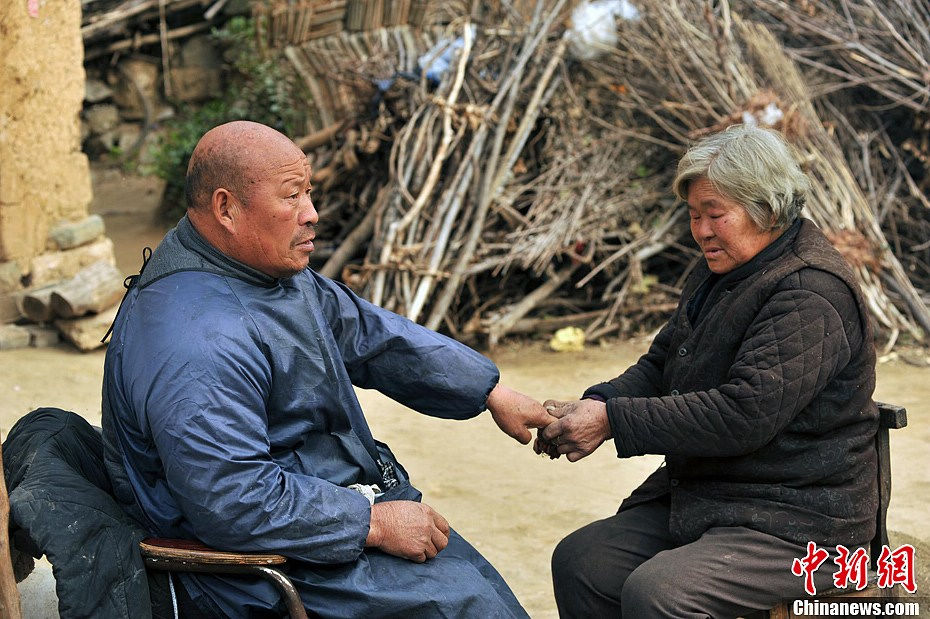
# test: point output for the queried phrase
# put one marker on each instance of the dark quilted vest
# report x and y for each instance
(816, 479)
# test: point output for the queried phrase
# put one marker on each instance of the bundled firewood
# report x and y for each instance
(481, 174)
(524, 189)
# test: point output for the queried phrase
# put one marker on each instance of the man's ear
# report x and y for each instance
(225, 209)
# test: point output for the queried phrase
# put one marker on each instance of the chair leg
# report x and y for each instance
(283, 584)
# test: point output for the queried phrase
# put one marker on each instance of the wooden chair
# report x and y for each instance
(174, 555)
(890, 417)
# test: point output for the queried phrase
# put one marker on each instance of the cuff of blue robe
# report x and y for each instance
(494, 381)
(345, 542)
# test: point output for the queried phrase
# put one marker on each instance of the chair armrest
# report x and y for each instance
(891, 416)
(189, 556)
(195, 552)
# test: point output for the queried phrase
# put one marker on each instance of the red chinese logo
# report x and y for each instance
(852, 569)
(808, 565)
(895, 567)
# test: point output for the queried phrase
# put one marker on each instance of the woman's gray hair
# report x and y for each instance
(754, 167)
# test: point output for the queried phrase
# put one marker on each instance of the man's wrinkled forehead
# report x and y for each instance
(296, 165)
(284, 163)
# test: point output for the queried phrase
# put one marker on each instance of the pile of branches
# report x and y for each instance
(529, 189)
(121, 26)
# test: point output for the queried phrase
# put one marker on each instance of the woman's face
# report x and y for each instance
(723, 229)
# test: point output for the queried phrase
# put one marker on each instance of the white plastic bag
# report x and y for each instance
(594, 26)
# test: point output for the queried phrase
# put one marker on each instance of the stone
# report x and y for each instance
(147, 152)
(195, 83)
(101, 144)
(93, 289)
(86, 333)
(127, 135)
(199, 51)
(36, 304)
(96, 91)
(145, 75)
(67, 235)
(237, 7)
(11, 276)
(101, 118)
(56, 266)
(165, 112)
(42, 337)
(9, 307)
(13, 336)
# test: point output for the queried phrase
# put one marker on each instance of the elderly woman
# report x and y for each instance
(758, 392)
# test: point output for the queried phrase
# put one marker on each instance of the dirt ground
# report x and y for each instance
(512, 505)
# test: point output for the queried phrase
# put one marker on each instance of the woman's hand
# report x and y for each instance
(581, 428)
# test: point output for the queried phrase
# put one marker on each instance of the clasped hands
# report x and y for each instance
(415, 531)
(574, 428)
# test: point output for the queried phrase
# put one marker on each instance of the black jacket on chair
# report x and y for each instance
(61, 506)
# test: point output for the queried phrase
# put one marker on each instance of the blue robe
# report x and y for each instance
(229, 417)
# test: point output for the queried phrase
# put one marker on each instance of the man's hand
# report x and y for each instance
(407, 529)
(515, 413)
(581, 428)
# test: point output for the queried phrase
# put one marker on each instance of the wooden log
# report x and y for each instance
(355, 15)
(374, 12)
(354, 239)
(120, 20)
(328, 13)
(117, 15)
(36, 304)
(94, 288)
(323, 107)
(13, 336)
(56, 266)
(547, 325)
(9, 307)
(419, 10)
(42, 337)
(86, 333)
(325, 30)
(318, 138)
(502, 327)
(147, 39)
(9, 595)
(10, 276)
(75, 234)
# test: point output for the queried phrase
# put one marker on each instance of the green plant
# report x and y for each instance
(172, 152)
(257, 89)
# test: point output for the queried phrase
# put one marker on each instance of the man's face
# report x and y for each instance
(722, 228)
(275, 228)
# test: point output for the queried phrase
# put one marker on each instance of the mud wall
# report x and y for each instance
(44, 176)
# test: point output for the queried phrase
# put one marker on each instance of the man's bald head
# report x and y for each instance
(232, 156)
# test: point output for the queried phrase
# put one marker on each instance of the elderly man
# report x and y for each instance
(229, 414)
